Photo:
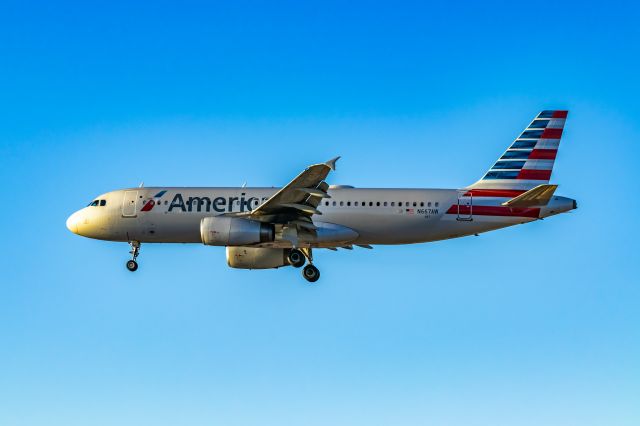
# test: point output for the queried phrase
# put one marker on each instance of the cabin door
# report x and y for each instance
(129, 204)
(465, 205)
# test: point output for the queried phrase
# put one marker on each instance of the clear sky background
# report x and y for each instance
(536, 324)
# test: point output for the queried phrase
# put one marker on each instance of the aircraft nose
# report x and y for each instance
(72, 223)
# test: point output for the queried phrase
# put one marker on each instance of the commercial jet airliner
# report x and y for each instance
(269, 228)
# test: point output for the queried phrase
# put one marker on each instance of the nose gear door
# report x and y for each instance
(129, 204)
(465, 205)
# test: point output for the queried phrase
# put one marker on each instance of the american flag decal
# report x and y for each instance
(409, 211)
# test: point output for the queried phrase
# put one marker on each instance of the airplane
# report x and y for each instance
(264, 228)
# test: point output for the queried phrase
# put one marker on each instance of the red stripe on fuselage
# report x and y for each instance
(494, 211)
(510, 193)
(543, 154)
(534, 174)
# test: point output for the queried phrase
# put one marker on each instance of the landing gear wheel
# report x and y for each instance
(311, 273)
(132, 265)
(296, 258)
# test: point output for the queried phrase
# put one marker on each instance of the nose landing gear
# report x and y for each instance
(132, 265)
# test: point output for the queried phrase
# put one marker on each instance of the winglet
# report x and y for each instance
(332, 163)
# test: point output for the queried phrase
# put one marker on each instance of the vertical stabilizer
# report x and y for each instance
(528, 162)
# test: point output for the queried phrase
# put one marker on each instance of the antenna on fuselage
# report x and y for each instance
(244, 185)
(141, 185)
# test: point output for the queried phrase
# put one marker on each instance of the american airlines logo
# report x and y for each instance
(203, 204)
(155, 200)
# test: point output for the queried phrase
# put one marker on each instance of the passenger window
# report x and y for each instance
(406, 204)
(341, 203)
(421, 203)
(349, 203)
(393, 203)
(103, 203)
(385, 204)
(326, 203)
(415, 204)
(355, 204)
(370, 203)
(437, 204)
(378, 204)
(429, 204)
(334, 204)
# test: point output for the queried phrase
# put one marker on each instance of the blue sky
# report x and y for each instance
(536, 324)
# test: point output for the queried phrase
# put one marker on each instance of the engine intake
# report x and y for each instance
(233, 231)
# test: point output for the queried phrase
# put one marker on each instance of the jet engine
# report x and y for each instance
(233, 231)
(256, 257)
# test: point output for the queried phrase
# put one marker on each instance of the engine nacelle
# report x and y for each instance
(256, 257)
(234, 231)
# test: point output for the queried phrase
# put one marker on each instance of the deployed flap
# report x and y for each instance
(300, 197)
(536, 197)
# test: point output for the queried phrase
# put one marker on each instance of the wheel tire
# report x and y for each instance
(132, 265)
(296, 258)
(311, 273)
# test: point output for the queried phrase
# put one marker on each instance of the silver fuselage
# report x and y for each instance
(378, 216)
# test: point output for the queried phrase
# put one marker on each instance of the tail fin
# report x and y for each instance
(528, 162)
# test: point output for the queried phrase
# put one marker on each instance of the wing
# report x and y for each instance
(298, 200)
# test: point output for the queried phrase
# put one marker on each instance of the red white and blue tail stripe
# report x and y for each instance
(529, 160)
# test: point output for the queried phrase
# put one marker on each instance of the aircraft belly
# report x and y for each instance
(386, 228)
(160, 228)
(408, 229)
(180, 228)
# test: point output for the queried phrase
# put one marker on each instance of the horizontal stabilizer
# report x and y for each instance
(536, 197)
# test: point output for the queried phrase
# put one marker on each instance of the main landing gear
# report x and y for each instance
(132, 265)
(298, 257)
(311, 273)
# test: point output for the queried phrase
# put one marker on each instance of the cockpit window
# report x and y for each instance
(93, 203)
(103, 203)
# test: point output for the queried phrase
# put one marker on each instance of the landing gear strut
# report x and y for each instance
(132, 265)
(309, 272)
